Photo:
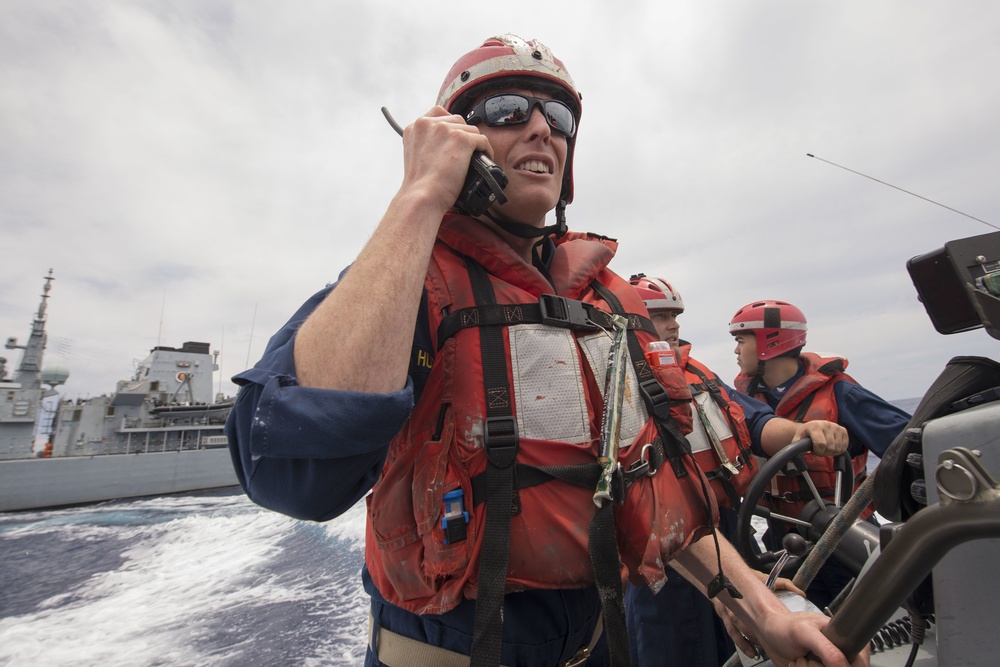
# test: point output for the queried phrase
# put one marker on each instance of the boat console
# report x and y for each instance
(927, 585)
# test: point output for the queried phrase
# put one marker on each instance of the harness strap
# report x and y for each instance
(396, 650)
(550, 309)
(502, 475)
(800, 414)
(603, 545)
(500, 440)
(584, 475)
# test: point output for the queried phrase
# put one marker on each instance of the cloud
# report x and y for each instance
(195, 170)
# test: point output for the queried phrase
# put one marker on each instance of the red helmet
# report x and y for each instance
(507, 61)
(657, 293)
(777, 325)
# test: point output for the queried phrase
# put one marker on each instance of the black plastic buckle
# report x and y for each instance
(558, 311)
(500, 439)
(656, 397)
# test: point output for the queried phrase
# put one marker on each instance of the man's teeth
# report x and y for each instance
(535, 166)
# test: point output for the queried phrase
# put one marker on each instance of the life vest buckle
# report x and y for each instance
(558, 311)
(500, 440)
(656, 398)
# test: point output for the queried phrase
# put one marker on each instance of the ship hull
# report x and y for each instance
(74, 480)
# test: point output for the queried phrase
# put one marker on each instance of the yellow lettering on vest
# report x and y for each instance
(424, 360)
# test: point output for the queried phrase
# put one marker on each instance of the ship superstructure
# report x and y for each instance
(21, 396)
(166, 406)
(161, 431)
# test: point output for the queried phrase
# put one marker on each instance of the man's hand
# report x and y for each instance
(828, 438)
(761, 617)
(740, 635)
(437, 149)
(798, 634)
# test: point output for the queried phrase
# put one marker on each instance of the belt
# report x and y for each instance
(396, 650)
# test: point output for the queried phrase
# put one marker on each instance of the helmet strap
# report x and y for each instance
(758, 379)
(521, 230)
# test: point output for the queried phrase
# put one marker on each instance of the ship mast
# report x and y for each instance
(29, 371)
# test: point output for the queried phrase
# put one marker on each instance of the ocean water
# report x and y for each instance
(206, 579)
(199, 579)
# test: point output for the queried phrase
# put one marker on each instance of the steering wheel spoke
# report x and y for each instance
(788, 456)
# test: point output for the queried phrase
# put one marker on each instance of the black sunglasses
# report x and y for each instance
(513, 109)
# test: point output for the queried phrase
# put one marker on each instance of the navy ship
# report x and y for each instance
(159, 432)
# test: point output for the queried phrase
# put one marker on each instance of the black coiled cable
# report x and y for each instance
(899, 633)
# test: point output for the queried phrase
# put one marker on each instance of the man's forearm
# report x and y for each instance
(699, 565)
(359, 338)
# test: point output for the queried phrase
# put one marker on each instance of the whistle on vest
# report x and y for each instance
(455, 518)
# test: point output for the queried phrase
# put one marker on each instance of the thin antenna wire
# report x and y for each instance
(902, 190)
(250, 344)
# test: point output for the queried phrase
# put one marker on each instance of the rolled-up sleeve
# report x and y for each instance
(309, 453)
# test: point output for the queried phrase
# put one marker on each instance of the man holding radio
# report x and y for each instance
(459, 370)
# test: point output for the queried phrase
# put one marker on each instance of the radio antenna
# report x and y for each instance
(902, 190)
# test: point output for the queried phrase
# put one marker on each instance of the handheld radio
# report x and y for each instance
(484, 183)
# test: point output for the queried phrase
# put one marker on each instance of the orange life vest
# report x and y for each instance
(547, 398)
(718, 421)
(811, 397)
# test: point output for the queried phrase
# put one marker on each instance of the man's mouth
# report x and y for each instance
(535, 166)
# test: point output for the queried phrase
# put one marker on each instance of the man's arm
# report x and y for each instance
(828, 438)
(785, 636)
(770, 433)
(311, 425)
(873, 421)
(359, 337)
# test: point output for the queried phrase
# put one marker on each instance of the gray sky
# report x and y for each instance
(195, 170)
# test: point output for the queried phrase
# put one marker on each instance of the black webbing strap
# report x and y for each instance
(584, 475)
(800, 414)
(500, 441)
(551, 309)
(603, 544)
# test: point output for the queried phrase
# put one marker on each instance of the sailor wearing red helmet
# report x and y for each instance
(803, 386)
(676, 625)
(458, 370)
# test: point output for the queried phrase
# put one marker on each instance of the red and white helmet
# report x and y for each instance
(778, 326)
(506, 61)
(657, 293)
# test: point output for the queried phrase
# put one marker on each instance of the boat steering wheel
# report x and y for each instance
(748, 507)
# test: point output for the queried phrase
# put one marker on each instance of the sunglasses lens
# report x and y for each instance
(514, 109)
(506, 110)
(560, 117)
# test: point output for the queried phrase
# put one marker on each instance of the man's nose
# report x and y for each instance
(538, 123)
